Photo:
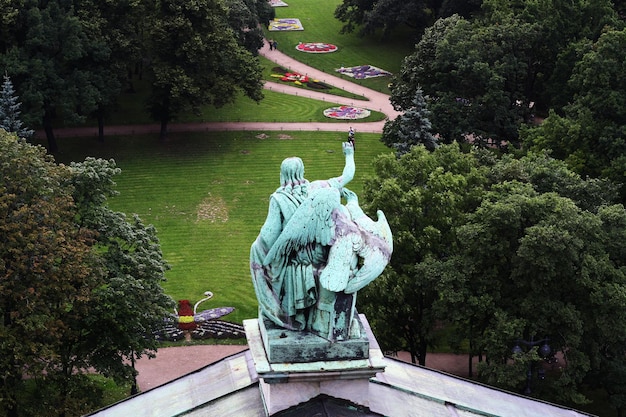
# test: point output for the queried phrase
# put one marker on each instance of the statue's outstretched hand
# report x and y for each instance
(348, 149)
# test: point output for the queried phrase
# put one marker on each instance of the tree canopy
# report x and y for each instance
(79, 284)
(70, 60)
(484, 77)
(370, 16)
(501, 250)
(589, 133)
(197, 60)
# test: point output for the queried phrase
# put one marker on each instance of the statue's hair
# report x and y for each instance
(292, 176)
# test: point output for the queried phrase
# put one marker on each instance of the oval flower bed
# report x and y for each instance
(295, 77)
(346, 113)
(316, 47)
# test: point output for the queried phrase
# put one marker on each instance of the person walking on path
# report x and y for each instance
(275, 45)
(351, 136)
(271, 42)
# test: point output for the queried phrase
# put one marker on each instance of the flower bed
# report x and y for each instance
(295, 77)
(346, 113)
(363, 71)
(316, 47)
(278, 3)
(285, 25)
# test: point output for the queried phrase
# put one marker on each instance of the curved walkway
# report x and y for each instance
(376, 101)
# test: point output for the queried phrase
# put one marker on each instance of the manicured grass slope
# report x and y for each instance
(207, 195)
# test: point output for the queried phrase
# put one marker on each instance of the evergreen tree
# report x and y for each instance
(10, 111)
(411, 128)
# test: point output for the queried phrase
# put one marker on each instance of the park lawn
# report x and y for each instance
(275, 107)
(207, 195)
(320, 25)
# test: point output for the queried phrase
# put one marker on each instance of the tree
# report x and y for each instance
(476, 79)
(410, 128)
(79, 284)
(10, 111)
(47, 268)
(545, 275)
(501, 249)
(562, 25)
(45, 56)
(197, 60)
(130, 307)
(387, 15)
(424, 195)
(590, 133)
(245, 17)
(116, 34)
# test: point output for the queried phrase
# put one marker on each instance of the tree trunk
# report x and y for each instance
(163, 133)
(100, 124)
(53, 147)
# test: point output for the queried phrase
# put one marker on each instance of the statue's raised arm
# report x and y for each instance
(346, 176)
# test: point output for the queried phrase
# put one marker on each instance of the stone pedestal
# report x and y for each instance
(329, 369)
(289, 346)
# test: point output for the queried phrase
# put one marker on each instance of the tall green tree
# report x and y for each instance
(411, 128)
(370, 16)
(562, 25)
(44, 55)
(47, 269)
(197, 60)
(476, 79)
(424, 196)
(546, 267)
(79, 284)
(501, 250)
(117, 48)
(589, 135)
(130, 306)
(245, 17)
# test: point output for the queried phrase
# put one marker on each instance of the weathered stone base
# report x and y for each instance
(286, 384)
(289, 346)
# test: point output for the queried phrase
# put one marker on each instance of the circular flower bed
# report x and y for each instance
(346, 113)
(316, 47)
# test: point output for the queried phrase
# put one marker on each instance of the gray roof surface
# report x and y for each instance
(230, 387)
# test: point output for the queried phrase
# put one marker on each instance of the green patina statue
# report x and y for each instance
(314, 253)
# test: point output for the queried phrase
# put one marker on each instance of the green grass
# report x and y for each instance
(275, 107)
(320, 25)
(227, 177)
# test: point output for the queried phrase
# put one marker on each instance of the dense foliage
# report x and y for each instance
(486, 76)
(501, 249)
(73, 59)
(372, 16)
(79, 284)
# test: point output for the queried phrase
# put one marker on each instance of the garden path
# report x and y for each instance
(376, 101)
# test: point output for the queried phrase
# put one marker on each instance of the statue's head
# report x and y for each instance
(292, 172)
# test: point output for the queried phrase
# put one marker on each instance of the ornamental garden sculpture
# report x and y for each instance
(314, 253)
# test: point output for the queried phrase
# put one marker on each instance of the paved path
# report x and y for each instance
(173, 362)
(375, 101)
